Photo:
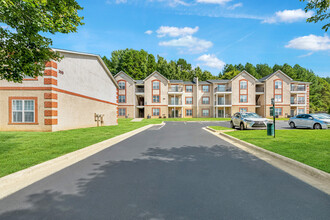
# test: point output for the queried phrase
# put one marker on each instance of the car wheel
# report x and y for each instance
(232, 124)
(292, 125)
(317, 126)
(241, 126)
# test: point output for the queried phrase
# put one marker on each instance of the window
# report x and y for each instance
(23, 111)
(278, 84)
(221, 88)
(243, 84)
(189, 100)
(301, 111)
(206, 88)
(278, 98)
(121, 84)
(122, 99)
(155, 85)
(122, 111)
(189, 88)
(155, 98)
(155, 111)
(205, 112)
(242, 110)
(278, 111)
(243, 98)
(205, 100)
(188, 112)
(301, 99)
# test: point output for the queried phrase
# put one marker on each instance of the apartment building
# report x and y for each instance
(157, 96)
(79, 91)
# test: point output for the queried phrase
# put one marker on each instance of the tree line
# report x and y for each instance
(139, 64)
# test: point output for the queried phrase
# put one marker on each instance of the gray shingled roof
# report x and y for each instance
(265, 77)
(189, 82)
(139, 81)
(218, 80)
(176, 81)
(203, 82)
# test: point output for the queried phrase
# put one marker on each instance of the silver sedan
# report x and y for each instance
(314, 121)
(248, 120)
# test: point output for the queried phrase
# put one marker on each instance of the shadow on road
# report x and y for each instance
(179, 183)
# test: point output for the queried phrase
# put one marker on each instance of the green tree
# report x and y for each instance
(263, 69)
(322, 11)
(24, 50)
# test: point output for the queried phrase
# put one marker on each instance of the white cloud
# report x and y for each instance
(148, 32)
(237, 5)
(212, 61)
(175, 31)
(190, 43)
(220, 2)
(310, 42)
(288, 16)
(116, 1)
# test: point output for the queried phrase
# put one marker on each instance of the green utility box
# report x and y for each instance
(270, 129)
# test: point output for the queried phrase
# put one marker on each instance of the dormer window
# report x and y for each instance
(155, 85)
(122, 84)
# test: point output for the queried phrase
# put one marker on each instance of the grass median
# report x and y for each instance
(220, 128)
(20, 150)
(310, 147)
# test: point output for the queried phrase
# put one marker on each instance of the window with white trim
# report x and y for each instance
(278, 98)
(189, 100)
(243, 85)
(278, 111)
(122, 111)
(122, 99)
(189, 88)
(188, 112)
(243, 98)
(206, 100)
(155, 85)
(206, 88)
(205, 112)
(301, 111)
(278, 84)
(155, 98)
(155, 111)
(121, 84)
(301, 99)
(23, 111)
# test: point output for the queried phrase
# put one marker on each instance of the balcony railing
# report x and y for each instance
(179, 102)
(260, 89)
(222, 89)
(175, 89)
(295, 102)
(222, 103)
(298, 88)
(139, 90)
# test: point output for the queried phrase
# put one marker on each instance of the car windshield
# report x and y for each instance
(320, 116)
(250, 115)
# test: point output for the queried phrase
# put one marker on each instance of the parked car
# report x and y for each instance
(248, 120)
(314, 121)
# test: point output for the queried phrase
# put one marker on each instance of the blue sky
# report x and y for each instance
(208, 33)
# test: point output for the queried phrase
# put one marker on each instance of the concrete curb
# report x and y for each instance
(220, 131)
(315, 177)
(13, 182)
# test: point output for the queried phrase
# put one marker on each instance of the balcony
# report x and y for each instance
(139, 91)
(299, 102)
(175, 103)
(260, 90)
(222, 90)
(223, 103)
(175, 90)
(258, 104)
(301, 88)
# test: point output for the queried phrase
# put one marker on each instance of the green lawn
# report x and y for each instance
(280, 119)
(219, 128)
(20, 150)
(311, 147)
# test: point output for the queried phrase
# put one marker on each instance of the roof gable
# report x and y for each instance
(271, 75)
(242, 73)
(154, 73)
(125, 74)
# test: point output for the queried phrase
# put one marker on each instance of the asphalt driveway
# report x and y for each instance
(178, 171)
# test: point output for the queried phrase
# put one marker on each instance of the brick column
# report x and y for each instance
(307, 94)
(50, 104)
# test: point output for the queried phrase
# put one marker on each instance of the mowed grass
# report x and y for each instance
(311, 147)
(20, 150)
(219, 128)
